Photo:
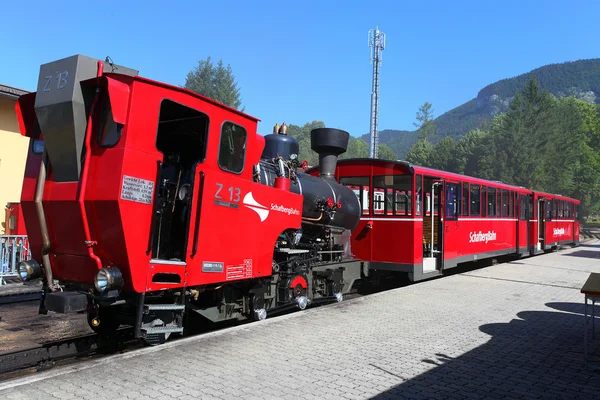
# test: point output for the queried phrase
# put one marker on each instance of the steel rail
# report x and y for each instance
(44, 356)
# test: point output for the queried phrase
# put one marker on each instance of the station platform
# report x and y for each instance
(511, 330)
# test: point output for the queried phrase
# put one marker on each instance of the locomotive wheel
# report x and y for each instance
(103, 322)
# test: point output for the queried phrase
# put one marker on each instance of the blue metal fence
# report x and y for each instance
(13, 249)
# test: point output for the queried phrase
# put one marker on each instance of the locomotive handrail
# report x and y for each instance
(84, 178)
(198, 210)
(154, 207)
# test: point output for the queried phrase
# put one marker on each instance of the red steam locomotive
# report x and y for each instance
(146, 202)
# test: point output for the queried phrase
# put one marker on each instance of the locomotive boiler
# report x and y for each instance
(149, 205)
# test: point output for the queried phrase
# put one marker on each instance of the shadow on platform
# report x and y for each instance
(583, 253)
(539, 354)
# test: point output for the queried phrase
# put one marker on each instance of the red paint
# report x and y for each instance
(390, 235)
(298, 281)
(93, 209)
(283, 183)
(84, 178)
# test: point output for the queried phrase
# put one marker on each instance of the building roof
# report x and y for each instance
(11, 92)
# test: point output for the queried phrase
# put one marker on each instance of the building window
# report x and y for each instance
(232, 148)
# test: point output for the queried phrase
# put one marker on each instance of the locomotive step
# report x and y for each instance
(163, 307)
(162, 329)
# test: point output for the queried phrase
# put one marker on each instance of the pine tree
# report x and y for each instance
(217, 83)
(426, 126)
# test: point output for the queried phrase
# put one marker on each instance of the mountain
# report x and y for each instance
(577, 78)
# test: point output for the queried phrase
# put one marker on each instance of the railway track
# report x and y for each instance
(45, 356)
(19, 297)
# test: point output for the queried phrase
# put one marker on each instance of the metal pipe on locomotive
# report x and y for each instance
(145, 202)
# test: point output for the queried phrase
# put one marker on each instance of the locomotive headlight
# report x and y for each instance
(29, 269)
(108, 278)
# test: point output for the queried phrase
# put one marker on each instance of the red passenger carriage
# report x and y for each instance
(422, 221)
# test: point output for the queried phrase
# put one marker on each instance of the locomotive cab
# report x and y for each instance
(144, 202)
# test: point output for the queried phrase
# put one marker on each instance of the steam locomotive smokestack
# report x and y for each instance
(328, 143)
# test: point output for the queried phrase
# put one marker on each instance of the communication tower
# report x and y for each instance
(377, 44)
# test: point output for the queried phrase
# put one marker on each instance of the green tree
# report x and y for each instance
(445, 155)
(420, 153)
(385, 153)
(425, 126)
(357, 148)
(216, 82)
(302, 135)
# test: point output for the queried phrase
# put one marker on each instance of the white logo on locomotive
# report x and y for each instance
(252, 204)
(286, 210)
(475, 237)
(559, 231)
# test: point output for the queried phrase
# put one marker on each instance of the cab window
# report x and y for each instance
(232, 148)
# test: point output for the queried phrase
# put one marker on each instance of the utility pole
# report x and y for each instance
(377, 44)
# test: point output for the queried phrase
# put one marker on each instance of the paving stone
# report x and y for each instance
(513, 330)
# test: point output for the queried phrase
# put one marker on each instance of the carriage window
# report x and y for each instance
(483, 201)
(378, 201)
(398, 190)
(232, 148)
(549, 209)
(475, 200)
(511, 201)
(419, 194)
(360, 186)
(523, 207)
(491, 202)
(452, 191)
(504, 203)
(465, 199)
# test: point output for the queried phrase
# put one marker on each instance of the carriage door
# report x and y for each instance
(432, 219)
(181, 138)
(452, 210)
(541, 223)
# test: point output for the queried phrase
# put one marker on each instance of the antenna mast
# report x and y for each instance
(377, 44)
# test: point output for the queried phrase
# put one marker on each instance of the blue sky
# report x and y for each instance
(309, 60)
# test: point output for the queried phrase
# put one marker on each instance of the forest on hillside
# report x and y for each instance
(542, 142)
